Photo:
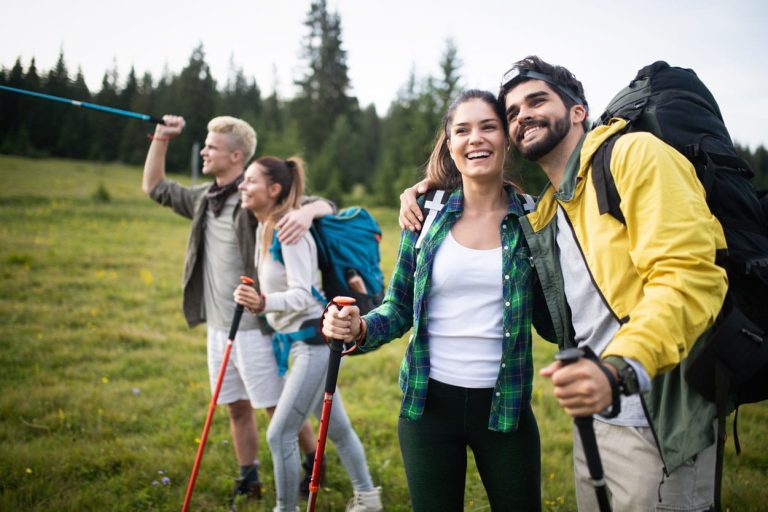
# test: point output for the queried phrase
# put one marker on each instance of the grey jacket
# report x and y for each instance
(191, 202)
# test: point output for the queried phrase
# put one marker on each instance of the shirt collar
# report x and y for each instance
(568, 184)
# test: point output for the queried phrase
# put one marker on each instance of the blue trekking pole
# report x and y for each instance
(85, 104)
(588, 440)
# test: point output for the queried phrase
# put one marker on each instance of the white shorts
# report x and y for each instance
(251, 372)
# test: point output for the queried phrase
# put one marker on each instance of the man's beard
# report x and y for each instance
(533, 152)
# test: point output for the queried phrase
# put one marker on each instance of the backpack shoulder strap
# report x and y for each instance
(608, 199)
(434, 201)
(528, 202)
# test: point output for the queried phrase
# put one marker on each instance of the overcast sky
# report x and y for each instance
(603, 42)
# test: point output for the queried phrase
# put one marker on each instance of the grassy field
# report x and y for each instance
(104, 390)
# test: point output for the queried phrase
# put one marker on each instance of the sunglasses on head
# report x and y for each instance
(517, 74)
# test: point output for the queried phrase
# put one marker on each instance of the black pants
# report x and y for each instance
(434, 451)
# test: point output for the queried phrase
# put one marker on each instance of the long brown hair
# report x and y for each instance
(289, 174)
(441, 171)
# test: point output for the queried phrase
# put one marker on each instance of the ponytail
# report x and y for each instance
(289, 174)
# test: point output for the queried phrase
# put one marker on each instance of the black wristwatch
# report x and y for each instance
(628, 384)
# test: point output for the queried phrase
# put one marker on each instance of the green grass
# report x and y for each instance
(103, 387)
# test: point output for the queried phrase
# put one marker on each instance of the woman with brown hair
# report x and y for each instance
(289, 280)
(468, 294)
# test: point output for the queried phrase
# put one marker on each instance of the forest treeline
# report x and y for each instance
(353, 152)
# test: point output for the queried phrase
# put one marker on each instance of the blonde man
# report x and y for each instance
(219, 251)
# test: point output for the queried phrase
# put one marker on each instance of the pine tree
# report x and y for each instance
(75, 132)
(107, 129)
(136, 97)
(197, 97)
(408, 133)
(14, 137)
(47, 119)
(241, 97)
(322, 96)
(450, 79)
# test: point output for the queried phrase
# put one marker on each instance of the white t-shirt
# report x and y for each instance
(222, 268)
(465, 315)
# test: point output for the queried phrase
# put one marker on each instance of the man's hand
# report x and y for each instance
(154, 165)
(581, 388)
(342, 325)
(410, 213)
(173, 126)
(293, 225)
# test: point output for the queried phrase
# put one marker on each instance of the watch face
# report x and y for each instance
(628, 380)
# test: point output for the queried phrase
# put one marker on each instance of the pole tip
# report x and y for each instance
(342, 301)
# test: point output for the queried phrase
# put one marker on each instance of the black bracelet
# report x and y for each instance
(615, 392)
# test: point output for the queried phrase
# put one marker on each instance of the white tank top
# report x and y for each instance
(465, 315)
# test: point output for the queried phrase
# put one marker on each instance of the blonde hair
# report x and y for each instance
(241, 134)
(289, 174)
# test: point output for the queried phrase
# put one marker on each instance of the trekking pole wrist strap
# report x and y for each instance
(615, 392)
(363, 330)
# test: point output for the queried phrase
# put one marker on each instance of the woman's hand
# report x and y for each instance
(342, 325)
(253, 301)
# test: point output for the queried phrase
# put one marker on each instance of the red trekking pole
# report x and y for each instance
(337, 351)
(212, 408)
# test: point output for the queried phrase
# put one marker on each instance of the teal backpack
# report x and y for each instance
(348, 246)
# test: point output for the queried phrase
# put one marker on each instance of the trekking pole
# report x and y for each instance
(337, 351)
(588, 441)
(212, 408)
(85, 104)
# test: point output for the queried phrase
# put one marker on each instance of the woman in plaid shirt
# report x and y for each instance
(468, 294)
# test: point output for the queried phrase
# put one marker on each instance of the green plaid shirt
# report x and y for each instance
(405, 305)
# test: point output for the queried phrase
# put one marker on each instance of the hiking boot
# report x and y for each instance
(250, 491)
(366, 501)
(304, 484)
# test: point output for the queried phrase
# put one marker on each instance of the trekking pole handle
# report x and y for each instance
(239, 310)
(336, 346)
(569, 355)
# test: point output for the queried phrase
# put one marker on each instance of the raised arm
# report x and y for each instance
(154, 166)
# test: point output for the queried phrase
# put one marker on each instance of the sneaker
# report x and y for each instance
(304, 484)
(251, 491)
(366, 501)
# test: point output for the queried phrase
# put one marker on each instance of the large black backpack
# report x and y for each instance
(674, 105)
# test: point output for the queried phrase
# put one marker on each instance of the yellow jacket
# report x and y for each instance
(657, 274)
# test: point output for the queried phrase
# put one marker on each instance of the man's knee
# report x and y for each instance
(240, 411)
